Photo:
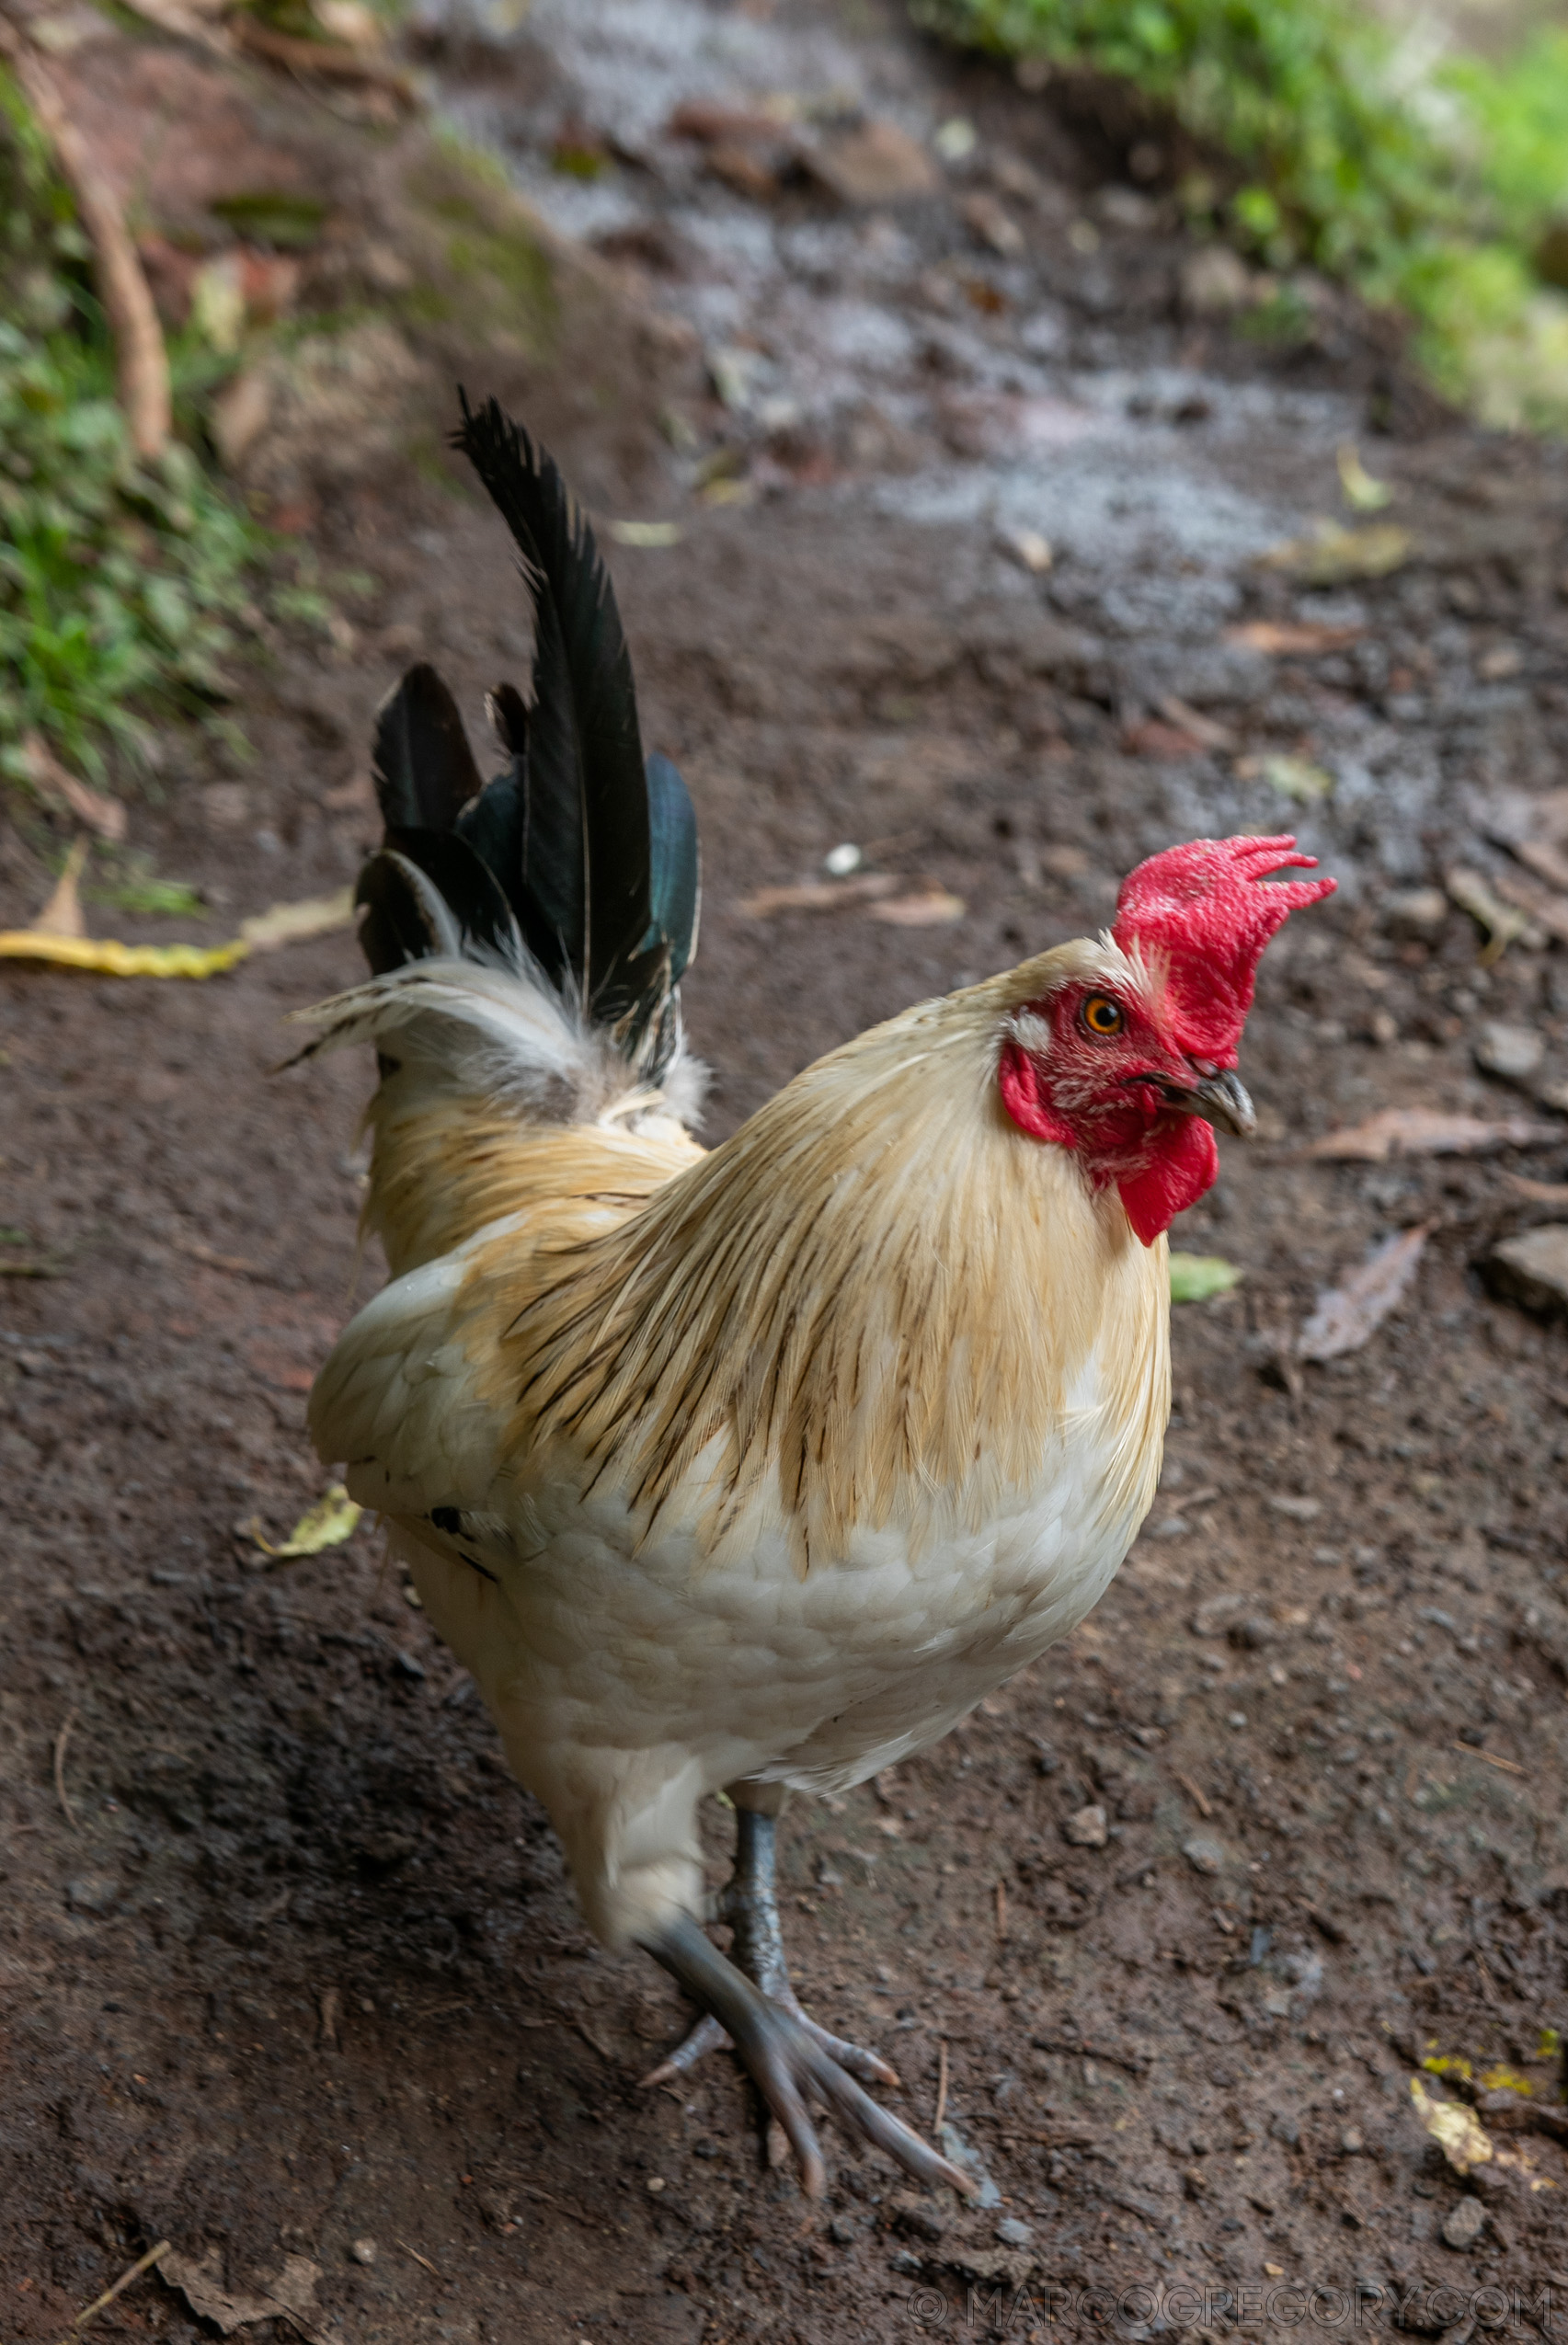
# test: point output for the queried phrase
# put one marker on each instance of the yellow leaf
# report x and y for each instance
(291, 923)
(1362, 493)
(106, 959)
(1457, 2130)
(329, 1523)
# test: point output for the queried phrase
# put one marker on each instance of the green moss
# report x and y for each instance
(1435, 198)
(486, 271)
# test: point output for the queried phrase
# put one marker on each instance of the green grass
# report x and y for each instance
(123, 585)
(1430, 191)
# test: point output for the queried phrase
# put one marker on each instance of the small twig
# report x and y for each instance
(1190, 1788)
(328, 60)
(941, 2084)
(407, 2250)
(144, 2264)
(1509, 1766)
(61, 1742)
(142, 362)
(1001, 1909)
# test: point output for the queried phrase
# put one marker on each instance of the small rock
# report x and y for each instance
(991, 223)
(1214, 281)
(1215, 1614)
(92, 1893)
(1533, 1267)
(1352, 2141)
(1028, 548)
(1418, 913)
(1513, 1052)
(1014, 2234)
(878, 163)
(655, 2184)
(1087, 1829)
(917, 2218)
(363, 2250)
(1298, 1510)
(1464, 2222)
(1203, 1853)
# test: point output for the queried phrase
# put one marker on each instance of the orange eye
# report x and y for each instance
(1102, 1015)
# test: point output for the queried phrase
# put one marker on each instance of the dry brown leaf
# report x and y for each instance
(1538, 1192)
(1283, 636)
(62, 916)
(1426, 1131)
(1455, 2128)
(932, 906)
(291, 923)
(103, 816)
(290, 2296)
(1345, 1316)
(817, 896)
(1539, 904)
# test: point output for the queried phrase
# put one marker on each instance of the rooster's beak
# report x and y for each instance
(1221, 1098)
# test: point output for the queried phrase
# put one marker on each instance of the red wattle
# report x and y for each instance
(1186, 1162)
(1020, 1088)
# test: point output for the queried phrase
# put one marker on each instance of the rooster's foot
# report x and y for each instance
(750, 1905)
(790, 2061)
(787, 2053)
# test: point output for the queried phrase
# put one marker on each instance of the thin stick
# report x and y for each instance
(1509, 1766)
(1001, 1909)
(1190, 1788)
(142, 362)
(941, 2084)
(60, 1741)
(407, 2250)
(145, 2263)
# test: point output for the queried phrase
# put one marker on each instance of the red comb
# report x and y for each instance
(1200, 912)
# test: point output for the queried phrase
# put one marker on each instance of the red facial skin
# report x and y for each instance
(1200, 915)
(1100, 1095)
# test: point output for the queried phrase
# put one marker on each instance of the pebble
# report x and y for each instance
(363, 2251)
(656, 2184)
(1513, 1052)
(1464, 2222)
(92, 1893)
(1416, 911)
(1088, 1830)
(1533, 1266)
(1203, 1853)
(1014, 2234)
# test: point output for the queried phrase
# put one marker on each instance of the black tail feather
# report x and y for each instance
(425, 772)
(575, 849)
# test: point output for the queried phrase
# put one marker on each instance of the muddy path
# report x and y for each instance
(289, 1967)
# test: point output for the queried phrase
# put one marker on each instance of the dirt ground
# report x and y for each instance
(289, 1966)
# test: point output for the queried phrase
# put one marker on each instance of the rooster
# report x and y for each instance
(755, 1468)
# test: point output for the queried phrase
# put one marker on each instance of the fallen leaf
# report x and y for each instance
(291, 923)
(1329, 553)
(1195, 1279)
(1541, 905)
(1455, 2128)
(817, 896)
(932, 906)
(104, 816)
(1345, 1316)
(107, 958)
(290, 2296)
(329, 1523)
(1426, 1131)
(1362, 493)
(1304, 636)
(644, 532)
(1293, 777)
(62, 916)
(1505, 925)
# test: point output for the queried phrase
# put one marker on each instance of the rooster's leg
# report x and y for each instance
(789, 2060)
(786, 2053)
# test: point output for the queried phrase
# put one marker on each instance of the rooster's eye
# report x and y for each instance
(1101, 1015)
